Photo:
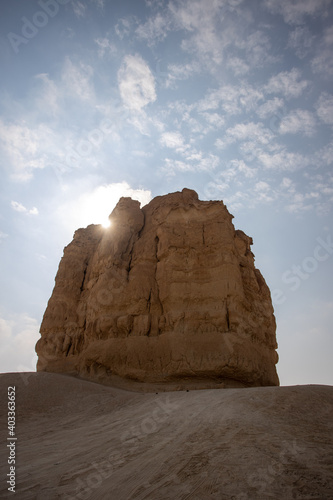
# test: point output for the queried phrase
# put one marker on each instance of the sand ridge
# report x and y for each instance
(78, 439)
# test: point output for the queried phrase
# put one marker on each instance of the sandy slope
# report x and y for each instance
(77, 439)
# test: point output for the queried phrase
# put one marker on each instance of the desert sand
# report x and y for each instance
(80, 440)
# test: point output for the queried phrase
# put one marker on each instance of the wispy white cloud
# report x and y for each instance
(173, 140)
(257, 50)
(206, 38)
(245, 131)
(298, 121)
(105, 47)
(270, 108)
(287, 83)
(287, 183)
(79, 8)
(301, 41)
(18, 207)
(324, 107)
(181, 72)
(232, 99)
(124, 26)
(155, 29)
(295, 11)
(282, 160)
(244, 169)
(235, 171)
(49, 95)
(3, 236)
(238, 66)
(25, 148)
(324, 156)
(154, 3)
(76, 79)
(136, 83)
(214, 119)
(195, 161)
(322, 63)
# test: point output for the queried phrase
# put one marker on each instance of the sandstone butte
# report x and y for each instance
(167, 297)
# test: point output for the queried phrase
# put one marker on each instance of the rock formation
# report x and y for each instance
(167, 295)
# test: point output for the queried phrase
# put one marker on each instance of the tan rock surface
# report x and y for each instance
(169, 294)
(84, 441)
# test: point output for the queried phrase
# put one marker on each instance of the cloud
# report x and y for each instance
(287, 183)
(155, 29)
(262, 186)
(323, 62)
(94, 206)
(301, 41)
(181, 72)
(238, 66)
(124, 26)
(263, 192)
(136, 83)
(270, 108)
(298, 121)
(3, 236)
(18, 207)
(287, 83)
(324, 107)
(49, 96)
(173, 140)
(244, 169)
(325, 155)
(200, 19)
(154, 3)
(26, 148)
(18, 335)
(245, 131)
(194, 162)
(294, 11)
(79, 8)
(105, 47)
(214, 119)
(76, 79)
(232, 99)
(282, 160)
(257, 48)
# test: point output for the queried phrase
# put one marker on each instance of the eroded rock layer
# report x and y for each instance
(167, 295)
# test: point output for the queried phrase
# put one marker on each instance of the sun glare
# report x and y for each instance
(106, 224)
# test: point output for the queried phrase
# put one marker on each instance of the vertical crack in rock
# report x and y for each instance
(84, 277)
(129, 264)
(152, 294)
(227, 314)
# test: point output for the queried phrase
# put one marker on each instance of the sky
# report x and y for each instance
(232, 98)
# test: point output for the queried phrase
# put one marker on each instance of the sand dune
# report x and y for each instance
(80, 440)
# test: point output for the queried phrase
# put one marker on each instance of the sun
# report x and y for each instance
(106, 223)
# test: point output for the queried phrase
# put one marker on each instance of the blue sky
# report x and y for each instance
(101, 99)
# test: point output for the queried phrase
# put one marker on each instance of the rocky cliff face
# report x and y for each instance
(167, 295)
